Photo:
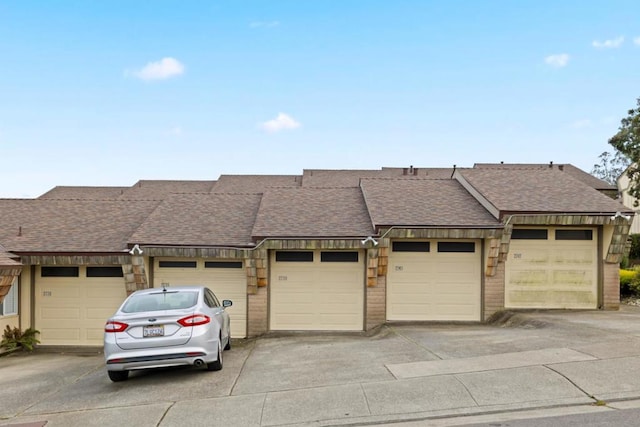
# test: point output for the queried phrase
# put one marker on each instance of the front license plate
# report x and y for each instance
(153, 331)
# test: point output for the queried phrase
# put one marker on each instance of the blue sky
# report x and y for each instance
(109, 92)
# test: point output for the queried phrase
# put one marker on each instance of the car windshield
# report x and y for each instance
(167, 300)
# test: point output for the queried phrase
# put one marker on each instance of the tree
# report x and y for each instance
(611, 166)
(627, 142)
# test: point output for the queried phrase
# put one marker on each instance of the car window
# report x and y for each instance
(210, 299)
(171, 300)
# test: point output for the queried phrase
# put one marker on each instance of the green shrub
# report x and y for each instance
(634, 252)
(14, 338)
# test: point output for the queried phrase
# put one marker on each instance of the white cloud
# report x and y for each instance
(264, 24)
(608, 44)
(636, 41)
(282, 122)
(176, 131)
(557, 61)
(160, 70)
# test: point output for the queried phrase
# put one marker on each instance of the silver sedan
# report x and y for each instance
(162, 327)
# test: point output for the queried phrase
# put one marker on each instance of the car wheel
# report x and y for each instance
(217, 365)
(228, 346)
(117, 376)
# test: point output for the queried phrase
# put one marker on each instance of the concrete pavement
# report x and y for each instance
(529, 365)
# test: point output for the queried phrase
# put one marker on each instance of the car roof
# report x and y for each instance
(193, 288)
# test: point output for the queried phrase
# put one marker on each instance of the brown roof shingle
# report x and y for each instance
(423, 202)
(351, 177)
(200, 220)
(575, 172)
(254, 183)
(538, 190)
(159, 189)
(7, 259)
(312, 212)
(52, 225)
(86, 193)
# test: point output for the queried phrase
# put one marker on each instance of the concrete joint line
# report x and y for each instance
(590, 396)
(165, 413)
(414, 342)
(235, 382)
(366, 399)
(467, 390)
(264, 404)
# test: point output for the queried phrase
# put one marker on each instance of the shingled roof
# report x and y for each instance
(7, 259)
(86, 193)
(200, 220)
(537, 190)
(53, 225)
(575, 172)
(254, 183)
(312, 212)
(423, 202)
(159, 189)
(352, 177)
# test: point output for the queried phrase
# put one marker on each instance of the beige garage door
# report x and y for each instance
(552, 268)
(72, 304)
(227, 279)
(434, 280)
(317, 290)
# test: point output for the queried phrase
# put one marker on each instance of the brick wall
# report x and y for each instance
(376, 304)
(494, 291)
(611, 286)
(257, 313)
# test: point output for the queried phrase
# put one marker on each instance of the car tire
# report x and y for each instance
(217, 365)
(117, 376)
(228, 346)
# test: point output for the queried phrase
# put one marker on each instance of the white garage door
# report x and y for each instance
(317, 290)
(227, 279)
(552, 268)
(72, 304)
(434, 280)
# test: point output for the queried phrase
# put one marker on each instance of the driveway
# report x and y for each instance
(549, 361)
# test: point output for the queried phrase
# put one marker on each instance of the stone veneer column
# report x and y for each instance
(257, 312)
(494, 291)
(611, 286)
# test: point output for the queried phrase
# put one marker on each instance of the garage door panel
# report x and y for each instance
(60, 313)
(565, 278)
(95, 334)
(575, 278)
(226, 283)
(68, 309)
(317, 295)
(62, 336)
(100, 313)
(434, 285)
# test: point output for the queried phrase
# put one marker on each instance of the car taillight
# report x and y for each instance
(194, 320)
(113, 326)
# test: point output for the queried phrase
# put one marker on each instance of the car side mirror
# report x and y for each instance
(227, 303)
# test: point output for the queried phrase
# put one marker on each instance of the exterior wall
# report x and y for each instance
(376, 307)
(494, 292)
(257, 312)
(611, 286)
